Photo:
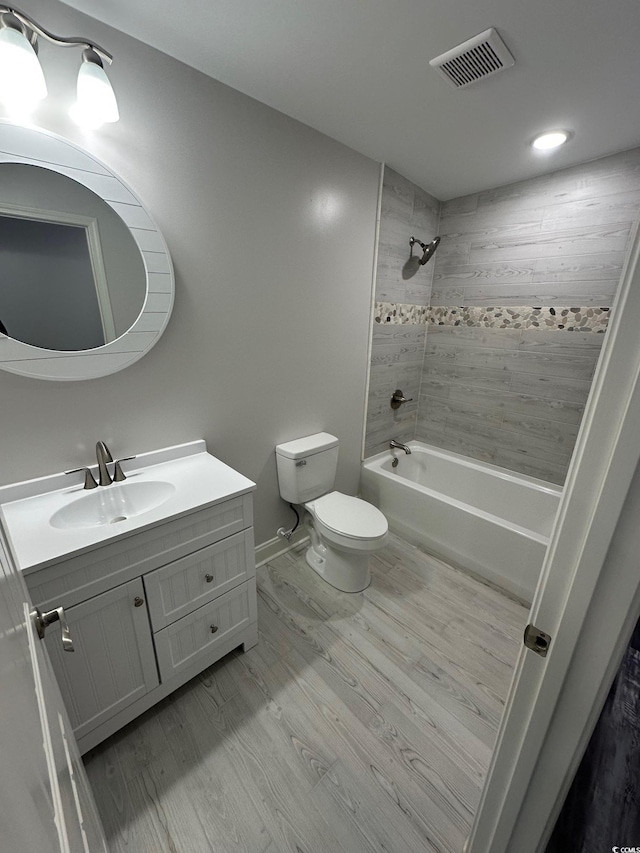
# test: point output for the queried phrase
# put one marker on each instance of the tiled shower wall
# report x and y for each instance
(536, 266)
(398, 347)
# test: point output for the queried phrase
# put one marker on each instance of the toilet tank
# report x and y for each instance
(307, 467)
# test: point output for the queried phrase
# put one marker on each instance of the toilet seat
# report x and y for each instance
(349, 521)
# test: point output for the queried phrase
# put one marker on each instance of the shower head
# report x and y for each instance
(427, 248)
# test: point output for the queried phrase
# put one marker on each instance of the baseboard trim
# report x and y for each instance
(277, 546)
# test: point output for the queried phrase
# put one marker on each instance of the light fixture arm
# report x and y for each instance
(61, 41)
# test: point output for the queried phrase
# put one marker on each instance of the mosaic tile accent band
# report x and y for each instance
(546, 318)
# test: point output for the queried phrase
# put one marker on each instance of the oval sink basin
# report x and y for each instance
(111, 504)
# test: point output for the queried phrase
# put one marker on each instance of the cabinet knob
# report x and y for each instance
(208, 578)
(137, 601)
(214, 628)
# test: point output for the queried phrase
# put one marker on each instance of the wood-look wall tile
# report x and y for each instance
(435, 348)
(393, 235)
(494, 437)
(435, 368)
(389, 375)
(417, 291)
(397, 196)
(456, 206)
(436, 410)
(393, 353)
(424, 204)
(474, 336)
(436, 386)
(559, 436)
(392, 333)
(491, 227)
(596, 238)
(379, 410)
(593, 293)
(556, 387)
(545, 468)
(465, 444)
(449, 274)
(608, 209)
(432, 412)
(381, 430)
(580, 268)
(546, 363)
(575, 343)
(516, 403)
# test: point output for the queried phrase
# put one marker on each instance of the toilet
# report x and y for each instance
(344, 530)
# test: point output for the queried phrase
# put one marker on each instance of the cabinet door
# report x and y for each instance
(113, 664)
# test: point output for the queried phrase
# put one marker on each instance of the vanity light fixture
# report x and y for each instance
(550, 140)
(22, 83)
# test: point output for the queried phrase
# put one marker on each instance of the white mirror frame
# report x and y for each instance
(37, 147)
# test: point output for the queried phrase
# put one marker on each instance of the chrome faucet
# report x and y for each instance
(396, 444)
(103, 456)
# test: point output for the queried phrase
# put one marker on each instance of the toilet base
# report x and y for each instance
(348, 572)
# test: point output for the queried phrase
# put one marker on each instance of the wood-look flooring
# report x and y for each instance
(358, 723)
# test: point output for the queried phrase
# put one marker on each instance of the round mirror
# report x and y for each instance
(86, 283)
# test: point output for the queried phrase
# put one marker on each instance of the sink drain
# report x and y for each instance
(118, 518)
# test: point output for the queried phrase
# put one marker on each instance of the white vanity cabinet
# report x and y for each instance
(148, 611)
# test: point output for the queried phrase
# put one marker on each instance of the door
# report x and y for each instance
(587, 599)
(45, 799)
(114, 664)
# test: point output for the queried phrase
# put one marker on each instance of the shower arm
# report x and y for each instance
(414, 240)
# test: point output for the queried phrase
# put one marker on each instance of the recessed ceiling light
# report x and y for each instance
(547, 141)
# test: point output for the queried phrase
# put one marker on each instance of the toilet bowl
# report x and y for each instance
(344, 530)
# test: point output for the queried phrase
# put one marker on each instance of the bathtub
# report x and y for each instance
(482, 518)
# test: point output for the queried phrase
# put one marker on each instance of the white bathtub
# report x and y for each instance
(482, 518)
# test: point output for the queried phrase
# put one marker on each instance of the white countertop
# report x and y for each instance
(200, 480)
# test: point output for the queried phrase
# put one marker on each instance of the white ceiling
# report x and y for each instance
(358, 70)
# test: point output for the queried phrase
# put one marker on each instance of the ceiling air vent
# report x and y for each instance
(481, 56)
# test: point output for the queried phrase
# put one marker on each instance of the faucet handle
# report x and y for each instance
(89, 480)
(118, 473)
(398, 399)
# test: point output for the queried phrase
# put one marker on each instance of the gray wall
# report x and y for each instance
(271, 228)
(495, 386)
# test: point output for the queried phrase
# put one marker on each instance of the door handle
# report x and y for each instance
(43, 620)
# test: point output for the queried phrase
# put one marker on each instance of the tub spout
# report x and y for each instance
(396, 444)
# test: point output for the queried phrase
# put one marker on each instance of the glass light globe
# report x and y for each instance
(96, 102)
(22, 82)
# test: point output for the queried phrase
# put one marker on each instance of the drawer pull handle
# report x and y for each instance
(214, 628)
(137, 601)
(208, 578)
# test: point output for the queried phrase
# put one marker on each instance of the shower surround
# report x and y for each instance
(502, 351)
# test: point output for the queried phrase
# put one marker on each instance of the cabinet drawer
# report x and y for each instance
(108, 565)
(183, 586)
(182, 643)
